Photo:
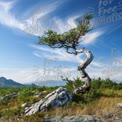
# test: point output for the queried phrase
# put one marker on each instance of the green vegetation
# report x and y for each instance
(68, 40)
(104, 93)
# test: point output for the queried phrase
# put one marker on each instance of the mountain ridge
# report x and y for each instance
(4, 82)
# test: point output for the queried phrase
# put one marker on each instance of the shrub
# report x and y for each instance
(27, 91)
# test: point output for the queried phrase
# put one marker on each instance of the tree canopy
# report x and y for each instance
(68, 40)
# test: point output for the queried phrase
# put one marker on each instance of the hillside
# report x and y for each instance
(9, 83)
(100, 101)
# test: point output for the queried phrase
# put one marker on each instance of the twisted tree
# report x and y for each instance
(70, 40)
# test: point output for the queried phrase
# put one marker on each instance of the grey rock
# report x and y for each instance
(82, 118)
(9, 96)
(119, 105)
(55, 99)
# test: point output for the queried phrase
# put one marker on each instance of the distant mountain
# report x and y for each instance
(31, 84)
(9, 83)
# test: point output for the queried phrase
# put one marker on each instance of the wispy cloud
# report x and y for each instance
(19, 75)
(55, 54)
(6, 5)
(90, 38)
(114, 73)
(51, 73)
(6, 17)
(34, 24)
(42, 11)
(37, 25)
(37, 74)
(60, 55)
(63, 26)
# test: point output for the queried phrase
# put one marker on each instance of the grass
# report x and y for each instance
(100, 106)
(96, 102)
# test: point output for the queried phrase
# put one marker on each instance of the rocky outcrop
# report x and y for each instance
(55, 99)
(9, 96)
(82, 118)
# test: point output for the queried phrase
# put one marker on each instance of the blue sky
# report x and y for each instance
(22, 21)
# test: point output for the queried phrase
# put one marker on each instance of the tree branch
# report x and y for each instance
(70, 81)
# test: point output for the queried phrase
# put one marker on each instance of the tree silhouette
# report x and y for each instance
(70, 40)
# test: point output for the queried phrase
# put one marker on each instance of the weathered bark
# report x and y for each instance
(84, 76)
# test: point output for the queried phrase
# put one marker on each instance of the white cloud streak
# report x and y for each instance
(63, 26)
(31, 22)
(90, 38)
(60, 55)
(53, 74)
(36, 74)
(35, 23)
(41, 12)
(112, 73)
(6, 5)
(19, 75)
(6, 18)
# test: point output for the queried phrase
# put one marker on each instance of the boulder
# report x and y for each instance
(57, 98)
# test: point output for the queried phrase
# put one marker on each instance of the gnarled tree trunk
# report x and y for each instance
(84, 76)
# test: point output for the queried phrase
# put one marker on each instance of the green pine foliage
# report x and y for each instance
(69, 39)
